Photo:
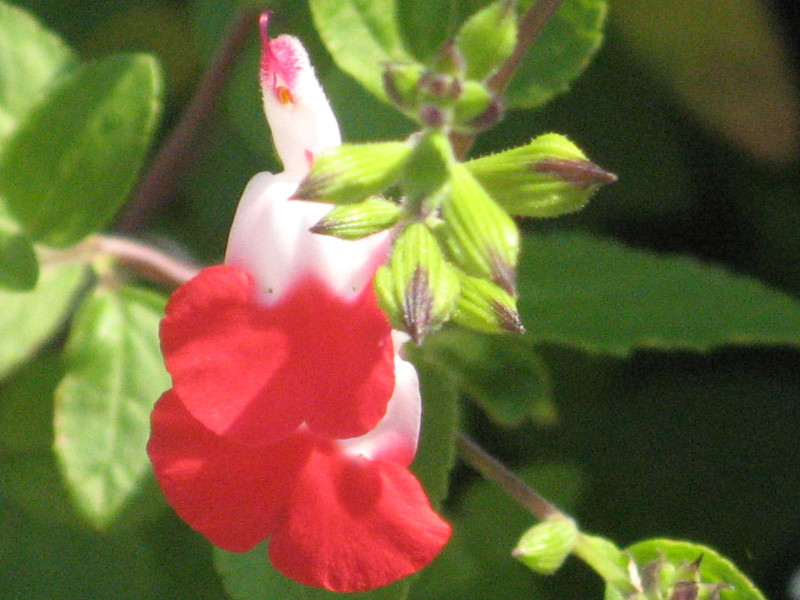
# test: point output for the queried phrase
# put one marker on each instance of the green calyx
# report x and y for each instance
(351, 172)
(546, 545)
(547, 177)
(479, 235)
(418, 288)
(488, 38)
(485, 306)
(355, 221)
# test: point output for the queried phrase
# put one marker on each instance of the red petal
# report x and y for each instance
(232, 494)
(355, 524)
(255, 373)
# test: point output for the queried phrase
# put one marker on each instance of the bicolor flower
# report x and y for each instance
(292, 416)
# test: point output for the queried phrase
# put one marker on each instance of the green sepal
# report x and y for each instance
(427, 169)
(546, 545)
(418, 288)
(401, 83)
(355, 221)
(351, 172)
(481, 237)
(19, 267)
(547, 177)
(488, 37)
(476, 109)
(485, 306)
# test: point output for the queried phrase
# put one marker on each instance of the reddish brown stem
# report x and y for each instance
(176, 154)
(495, 471)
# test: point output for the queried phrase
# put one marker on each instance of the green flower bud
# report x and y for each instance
(488, 38)
(545, 547)
(355, 221)
(351, 172)
(427, 169)
(401, 83)
(484, 306)
(481, 237)
(449, 60)
(418, 288)
(548, 177)
(476, 109)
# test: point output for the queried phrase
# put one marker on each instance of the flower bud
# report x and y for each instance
(549, 176)
(418, 288)
(355, 221)
(481, 237)
(401, 83)
(349, 173)
(545, 547)
(484, 306)
(487, 38)
(476, 108)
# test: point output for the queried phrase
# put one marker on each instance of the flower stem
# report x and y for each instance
(531, 26)
(150, 262)
(495, 471)
(176, 154)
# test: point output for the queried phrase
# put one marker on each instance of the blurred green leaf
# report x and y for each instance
(29, 319)
(504, 375)
(114, 374)
(31, 57)
(560, 54)
(727, 62)
(360, 35)
(250, 576)
(19, 269)
(714, 568)
(68, 169)
(603, 297)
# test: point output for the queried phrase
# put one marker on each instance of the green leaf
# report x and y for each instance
(19, 269)
(114, 374)
(250, 576)
(31, 57)
(68, 169)
(603, 297)
(560, 54)
(714, 568)
(360, 35)
(503, 375)
(29, 319)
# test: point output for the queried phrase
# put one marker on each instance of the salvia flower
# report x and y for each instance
(292, 416)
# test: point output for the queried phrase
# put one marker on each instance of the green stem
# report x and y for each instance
(605, 559)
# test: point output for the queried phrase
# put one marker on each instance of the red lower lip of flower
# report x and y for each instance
(334, 521)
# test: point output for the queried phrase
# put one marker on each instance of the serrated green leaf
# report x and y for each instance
(28, 319)
(250, 576)
(31, 57)
(114, 374)
(361, 35)
(714, 568)
(19, 268)
(603, 297)
(503, 375)
(69, 167)
(560, 54)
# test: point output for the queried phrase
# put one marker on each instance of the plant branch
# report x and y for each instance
(531, 26)
(495, 471)
(176, 154)
(148, 261)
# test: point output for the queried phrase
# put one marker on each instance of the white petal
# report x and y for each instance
(270, 239)
(396, 436)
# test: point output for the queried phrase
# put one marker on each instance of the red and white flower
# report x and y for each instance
(292, 416)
